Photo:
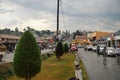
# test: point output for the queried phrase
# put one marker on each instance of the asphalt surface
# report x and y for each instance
(97, 68)
(9, 57)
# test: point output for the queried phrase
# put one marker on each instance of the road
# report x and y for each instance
(9, 57)
(97, 68)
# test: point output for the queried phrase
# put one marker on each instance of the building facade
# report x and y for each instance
(92, 37)
(9, 41)
(81, 39)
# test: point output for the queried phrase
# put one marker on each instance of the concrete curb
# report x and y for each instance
(78, 70)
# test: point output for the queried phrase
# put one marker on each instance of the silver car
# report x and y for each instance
(110, 51)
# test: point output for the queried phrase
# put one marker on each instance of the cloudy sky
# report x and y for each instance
(100, 15)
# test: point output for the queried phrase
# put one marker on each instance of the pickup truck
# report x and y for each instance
(2, 51)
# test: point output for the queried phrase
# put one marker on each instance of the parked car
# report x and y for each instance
(79, 46)
(102, 49)
(50, 47)
(89, 47)
(73, 48)
(94, 48)
(110, 51)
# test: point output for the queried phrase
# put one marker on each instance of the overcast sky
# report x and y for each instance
(100, 15)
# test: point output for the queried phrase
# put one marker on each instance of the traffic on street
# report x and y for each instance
(98, 68)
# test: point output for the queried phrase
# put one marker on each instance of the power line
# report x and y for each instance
(63, 16)
(89, 17)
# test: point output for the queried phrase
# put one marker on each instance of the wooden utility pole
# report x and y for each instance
(58, 17)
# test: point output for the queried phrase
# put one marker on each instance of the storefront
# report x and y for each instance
(111, 41)
(117, 40)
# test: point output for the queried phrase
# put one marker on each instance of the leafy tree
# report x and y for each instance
(27, 61)
(59, 50)
(65, 47)
(16, 29)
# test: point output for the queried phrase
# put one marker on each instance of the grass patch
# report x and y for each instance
(84, 72)
(6, 71)
(53, 69)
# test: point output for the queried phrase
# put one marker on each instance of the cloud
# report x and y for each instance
(78, 14)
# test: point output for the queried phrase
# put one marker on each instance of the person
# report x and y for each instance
(117, 51)
(104, 53)
(98, 49)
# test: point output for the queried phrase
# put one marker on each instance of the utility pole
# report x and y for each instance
(58, 17)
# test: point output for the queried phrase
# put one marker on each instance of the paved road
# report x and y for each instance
(9, 57)
(97, 68)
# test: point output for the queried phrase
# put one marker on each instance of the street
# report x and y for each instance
(97, 68)
(9, 57)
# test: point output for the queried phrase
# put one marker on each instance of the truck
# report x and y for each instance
(3, 50)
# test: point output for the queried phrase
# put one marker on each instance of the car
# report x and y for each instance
(50, 47)
(73, 48)
(94, 48)
(102, 49)
(89, 47)
(110, 51)
(79, 46)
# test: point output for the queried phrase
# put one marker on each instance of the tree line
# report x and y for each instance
(17, 32)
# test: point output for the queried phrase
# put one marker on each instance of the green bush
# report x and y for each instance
(65, 47)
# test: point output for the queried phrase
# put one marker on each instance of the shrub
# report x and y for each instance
(65, 47)
(59, 50)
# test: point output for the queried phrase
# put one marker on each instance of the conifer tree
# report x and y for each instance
(59, 50)
(27, 62)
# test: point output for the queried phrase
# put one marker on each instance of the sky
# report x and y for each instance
(85, 15)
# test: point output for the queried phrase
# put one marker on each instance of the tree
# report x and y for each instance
(16, 29)
(59, 50)
(27, 61)
(65, 47)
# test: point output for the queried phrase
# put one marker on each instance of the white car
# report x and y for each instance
(110, 51)
(94, 48)
(89, 47)
(101, 49)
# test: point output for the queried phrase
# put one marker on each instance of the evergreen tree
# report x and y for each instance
(65, 47)
(27, 61)
(59, 50)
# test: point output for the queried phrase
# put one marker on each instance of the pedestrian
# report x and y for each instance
(85, 47)
(104, 53)
(98, 49)
(117, 51)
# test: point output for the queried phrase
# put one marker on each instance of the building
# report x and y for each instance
(117, 38)
(94, 36)
(111, 40)
(9, 41)
(81, 39)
